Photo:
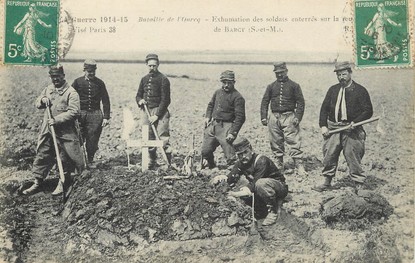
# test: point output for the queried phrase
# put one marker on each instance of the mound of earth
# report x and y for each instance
(114, 206)
(355, 209)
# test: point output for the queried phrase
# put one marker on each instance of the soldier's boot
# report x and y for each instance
(208, 163)
(326, 186)
(153, 159)
(300, 168)
(280, 163)
(169, 154)
(169, 157)
(272, 215)
(34, 188)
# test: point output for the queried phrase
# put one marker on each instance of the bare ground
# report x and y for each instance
(120, 215)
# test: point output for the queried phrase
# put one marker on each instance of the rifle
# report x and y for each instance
(354, 125)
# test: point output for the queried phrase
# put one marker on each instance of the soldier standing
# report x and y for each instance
(225, 115)
(287, 109)
(92, 93)
(154, 91)
(63, 101)
(345, 103)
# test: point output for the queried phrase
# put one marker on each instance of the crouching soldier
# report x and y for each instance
(266, 182)
(64, 104)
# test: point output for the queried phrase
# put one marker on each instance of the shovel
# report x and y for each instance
(55, 144)
(163, 152)
(354, 125)
(253, 230)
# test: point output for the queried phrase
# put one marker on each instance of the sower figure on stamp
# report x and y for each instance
(225, 115)
(287, 109)
(154, 92)
(92, 92)
(266, 181)
(345, 103)
(64, 104)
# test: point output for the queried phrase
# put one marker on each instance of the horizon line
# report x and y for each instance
(141, 61)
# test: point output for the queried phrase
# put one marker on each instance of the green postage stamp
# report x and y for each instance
(31, 32)
(382, 33)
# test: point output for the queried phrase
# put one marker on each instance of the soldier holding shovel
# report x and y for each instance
(62, 105)
(346, 105)
(153, 98)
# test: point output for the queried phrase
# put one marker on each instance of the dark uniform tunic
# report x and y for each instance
(266, 181)
(154, 88)
(226, 110)
(287, 103)
(359, 108)
(92, 93)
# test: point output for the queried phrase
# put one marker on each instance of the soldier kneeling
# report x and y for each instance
(266, 181)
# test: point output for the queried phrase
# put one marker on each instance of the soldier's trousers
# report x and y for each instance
(282, 130)
(267, 191)
(352, 143)
(162, 127)
(215, 135)
(69, 151)
(91, 128)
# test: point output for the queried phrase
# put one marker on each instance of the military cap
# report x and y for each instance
(280, 66)
(227, 75)
(90, 64)
(56, 70)
(152, 56)
(240, 144)
(342, 66)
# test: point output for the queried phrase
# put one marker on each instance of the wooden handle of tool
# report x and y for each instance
(354, 125)
(163, 152)
(55, 144)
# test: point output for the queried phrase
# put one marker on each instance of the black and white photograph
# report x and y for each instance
(207, 131)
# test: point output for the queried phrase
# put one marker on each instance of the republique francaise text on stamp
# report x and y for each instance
(31, 32)
(382, 33)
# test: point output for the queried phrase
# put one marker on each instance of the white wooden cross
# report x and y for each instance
(144, 144)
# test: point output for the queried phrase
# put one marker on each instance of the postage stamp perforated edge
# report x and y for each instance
(2, 22)
(3, 38)
(410, 27)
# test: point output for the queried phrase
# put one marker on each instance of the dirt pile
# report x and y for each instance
(113, 206)
(355, 210)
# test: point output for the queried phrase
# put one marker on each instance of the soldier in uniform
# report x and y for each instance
(92, 93)
(345, 103)
(225, 115)
(287, 109)
(63, 101)
(154, 91)
(266, 181)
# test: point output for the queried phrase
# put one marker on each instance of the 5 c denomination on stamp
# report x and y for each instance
(382, 33)
(31, 32)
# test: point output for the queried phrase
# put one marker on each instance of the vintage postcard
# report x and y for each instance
(206, 131)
